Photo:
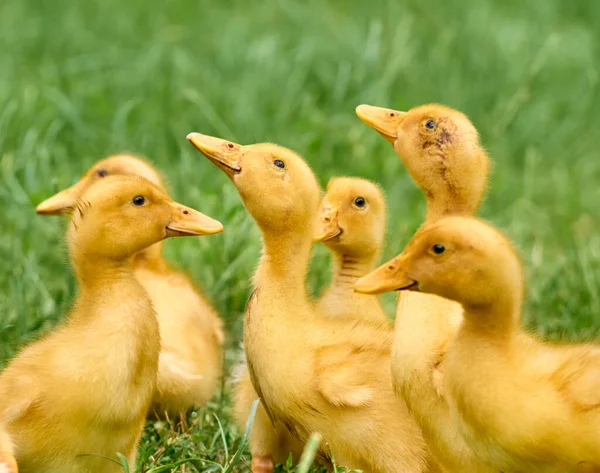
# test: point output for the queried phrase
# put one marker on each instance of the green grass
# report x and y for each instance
(81, 80)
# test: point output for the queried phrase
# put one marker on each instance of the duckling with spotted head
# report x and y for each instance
(441, 150)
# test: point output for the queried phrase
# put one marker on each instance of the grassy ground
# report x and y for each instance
(81, 80)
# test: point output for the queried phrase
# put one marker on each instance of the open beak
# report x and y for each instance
(391, 276)
(189, 222)
(63, 201)
(327, 228)
(383, 120)
(224, 154)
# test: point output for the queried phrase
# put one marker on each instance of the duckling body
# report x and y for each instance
(515, 399)
(352, 225)
(313, 373)
(190, 362)
(75, 398)
(449, 165)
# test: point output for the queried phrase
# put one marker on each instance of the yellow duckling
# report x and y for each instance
(190, 362)
(522, 405)
(352, 225)
(311, 373)
(441, 151)
(73, 399)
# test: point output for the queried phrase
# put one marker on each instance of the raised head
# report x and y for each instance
(441, 150)
(459, 258)
(276, 185)
(119, 164)
(352, 217)
(119, 216)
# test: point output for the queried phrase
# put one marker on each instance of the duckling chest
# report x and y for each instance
(273, 346)
(116, 357)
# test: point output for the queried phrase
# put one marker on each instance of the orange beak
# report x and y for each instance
(189, 222)
(224, 154)
(328, 225)
(63, 201)
(385, 121)
(391, 276)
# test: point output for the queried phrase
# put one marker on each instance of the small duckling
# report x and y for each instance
(312, 373)
(352, 225)
(190, 363)
(441, 151)
(522, 405)
(78, 396)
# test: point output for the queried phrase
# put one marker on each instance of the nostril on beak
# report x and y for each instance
(391, 267)
(185, 212)
(327, 219)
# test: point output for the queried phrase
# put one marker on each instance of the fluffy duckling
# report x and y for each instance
(311, 373)
(190, 362)
(78, 396)
(522, 405)
(441, 151)
(352, 225)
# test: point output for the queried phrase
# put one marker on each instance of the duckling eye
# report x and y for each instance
(102, 172)
(430, 124)
(138, 200)
(360, 202)
(279, 163)
(438, 249)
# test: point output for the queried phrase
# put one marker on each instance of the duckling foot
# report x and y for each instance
(262, 464)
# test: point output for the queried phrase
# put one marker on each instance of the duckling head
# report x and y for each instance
(276, 185)
(441, 150)
(459, 258)
(119, 216)
(352, 217)
(120, 164)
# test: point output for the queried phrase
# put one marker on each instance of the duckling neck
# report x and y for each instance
(450, 202)
(98, 271)
(151, 258)
(498, 320)
(347, 269)
(284, 264)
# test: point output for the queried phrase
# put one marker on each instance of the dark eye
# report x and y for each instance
(438, 249)
(360, 202)
(430, 124)
(138, 200)
(279, 163)
(102, 172)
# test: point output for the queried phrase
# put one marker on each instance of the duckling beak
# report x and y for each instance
(385, 121)
(391, 276)
(327, 228)
(63, 201)
(189, 222)
(224, 154)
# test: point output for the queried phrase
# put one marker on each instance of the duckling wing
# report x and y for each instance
(578, 378)
(343, 374)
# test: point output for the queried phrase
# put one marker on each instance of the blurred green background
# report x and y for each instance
(80, 80)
